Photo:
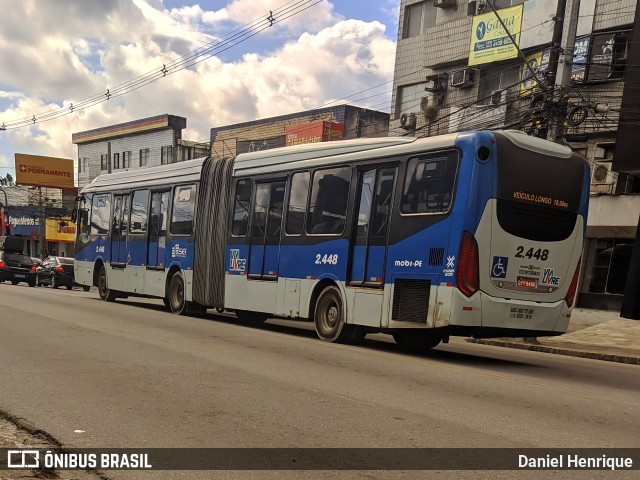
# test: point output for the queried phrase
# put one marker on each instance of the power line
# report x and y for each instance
(242, 34)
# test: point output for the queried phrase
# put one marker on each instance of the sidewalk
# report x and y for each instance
(596, 334)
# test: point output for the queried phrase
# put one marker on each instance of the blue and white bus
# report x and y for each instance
(475, 234)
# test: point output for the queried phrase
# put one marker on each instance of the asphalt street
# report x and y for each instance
(130, 374)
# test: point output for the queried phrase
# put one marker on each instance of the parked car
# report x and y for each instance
(57, 272)
(17, 267)
(36, 261)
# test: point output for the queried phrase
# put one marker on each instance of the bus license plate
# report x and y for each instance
(520, 313)
(526, 282)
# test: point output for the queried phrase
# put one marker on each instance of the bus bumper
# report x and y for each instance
(484, 316)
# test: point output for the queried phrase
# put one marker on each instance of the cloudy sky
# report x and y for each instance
(54, 53)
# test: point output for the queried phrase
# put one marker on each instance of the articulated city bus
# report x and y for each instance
(475, 234)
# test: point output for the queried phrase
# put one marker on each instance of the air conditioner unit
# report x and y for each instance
(444, 3)
(500, 97)
(601, 173)
(463, 78)
(408, 121)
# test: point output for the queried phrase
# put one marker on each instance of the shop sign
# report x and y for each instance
(490, 41)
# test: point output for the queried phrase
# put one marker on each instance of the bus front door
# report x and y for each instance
(119, 231)
(370, 235)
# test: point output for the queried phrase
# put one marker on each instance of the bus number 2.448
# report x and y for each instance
(538, 254)
(326, 259)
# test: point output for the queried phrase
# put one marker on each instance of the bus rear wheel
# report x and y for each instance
(177, 302)
(105, 293)
(330, 321)
(416, 341)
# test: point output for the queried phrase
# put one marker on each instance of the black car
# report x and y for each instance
(57, 272)
(17, 267)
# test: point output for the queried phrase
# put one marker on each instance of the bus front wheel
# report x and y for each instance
(177, 301)
(330, 320)
(105, 293)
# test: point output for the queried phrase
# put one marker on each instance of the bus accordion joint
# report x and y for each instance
(467, 275)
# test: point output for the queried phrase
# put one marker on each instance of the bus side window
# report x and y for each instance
(184, 201)
(429, 184)
(139, 208)
(297, 208)
(241, 206)
(100, 214)
(84, 209)
(328, 206)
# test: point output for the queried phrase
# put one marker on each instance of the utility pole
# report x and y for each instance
(561, 63)
(42, 225)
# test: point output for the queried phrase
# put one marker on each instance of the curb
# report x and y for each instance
(608, 357)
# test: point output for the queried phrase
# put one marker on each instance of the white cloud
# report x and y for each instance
(94, 47)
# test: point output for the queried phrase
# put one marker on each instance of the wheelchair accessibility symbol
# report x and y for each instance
(499, 268)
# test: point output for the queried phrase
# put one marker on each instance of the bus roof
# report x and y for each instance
(189, 170)
(327, 153)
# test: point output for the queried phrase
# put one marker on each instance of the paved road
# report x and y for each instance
(129, 374)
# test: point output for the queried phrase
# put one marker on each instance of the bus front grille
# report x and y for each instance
(411, 300)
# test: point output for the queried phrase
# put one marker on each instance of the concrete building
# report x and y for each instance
(449, 77)
(137, 144)
(231, 140)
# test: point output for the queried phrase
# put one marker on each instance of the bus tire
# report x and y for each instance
(329, 319)
(165, 300)
(177, 302)
(416, 341)
(105, 293)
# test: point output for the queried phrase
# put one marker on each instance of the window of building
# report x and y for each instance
(126, 159)
(607, 265)
(104, 162)
(429, 183)
(328, 205)
(166, 155)
(184, 202)
(418, 17)
(297, 209)
(139, 208)
(495, 81)
(116, 161)
(144, 157)
(83, 164)
(241, 207)
(409, 98)
(100, 214)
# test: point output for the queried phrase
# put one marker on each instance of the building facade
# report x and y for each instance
(355, 122)
(137, 144)
(456, 70)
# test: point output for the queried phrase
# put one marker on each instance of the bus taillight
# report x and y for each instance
(571, 293)
(467, 276)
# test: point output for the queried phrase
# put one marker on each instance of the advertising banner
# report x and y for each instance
(44, 171)
(580, 58)
(314, 132)
(490, 42)
(23, 220)
(539, 63)
(60, 230)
